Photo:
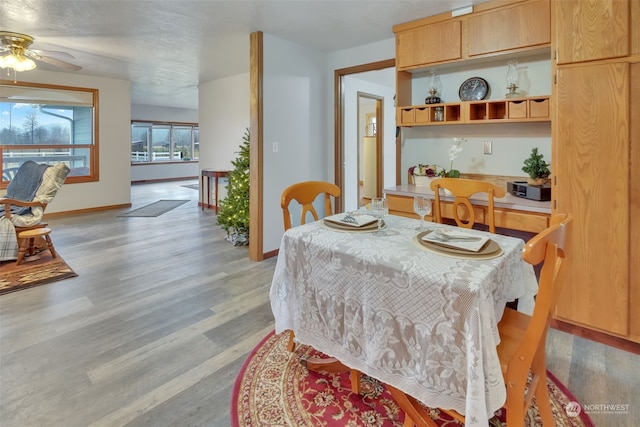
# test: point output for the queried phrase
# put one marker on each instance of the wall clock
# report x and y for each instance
(473, 89)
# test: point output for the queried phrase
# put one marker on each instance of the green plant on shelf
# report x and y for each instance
(536, 167)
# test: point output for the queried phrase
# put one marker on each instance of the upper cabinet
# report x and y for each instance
(494, 32)
(429, 44)
(522, 25)
(495, 27)
(598, 29)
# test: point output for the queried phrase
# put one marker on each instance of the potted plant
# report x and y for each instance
(422, 174)
(536, 168)
(454, 151)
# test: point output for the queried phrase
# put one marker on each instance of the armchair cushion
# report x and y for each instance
(52, 179)
(25, 183)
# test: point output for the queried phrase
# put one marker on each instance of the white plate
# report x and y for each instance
(350, 229)
(491, 249)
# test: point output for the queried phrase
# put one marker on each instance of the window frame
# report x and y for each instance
(150, 124)
(93, 147)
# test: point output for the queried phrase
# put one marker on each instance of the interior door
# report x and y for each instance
(370, 153)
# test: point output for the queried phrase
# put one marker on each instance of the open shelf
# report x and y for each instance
(530, 109)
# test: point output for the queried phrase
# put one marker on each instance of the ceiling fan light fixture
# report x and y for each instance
(15, 54)
(17, 61)
(16, 44)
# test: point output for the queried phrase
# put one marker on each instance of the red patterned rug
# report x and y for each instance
(274, 389)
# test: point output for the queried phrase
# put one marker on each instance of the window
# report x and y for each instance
(164, 142)
(48, 124)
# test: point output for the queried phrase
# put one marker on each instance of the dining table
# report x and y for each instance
(418, 318)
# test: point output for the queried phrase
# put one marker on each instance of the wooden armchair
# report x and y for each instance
(462, 190)
(522, 337)
(44, 181)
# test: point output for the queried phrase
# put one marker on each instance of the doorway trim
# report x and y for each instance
(379, 115)
(338, 79)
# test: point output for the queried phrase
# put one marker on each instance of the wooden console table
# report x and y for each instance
(215, 175)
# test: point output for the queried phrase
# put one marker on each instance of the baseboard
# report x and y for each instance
(84, 211)
(151, 181)
(601, 337)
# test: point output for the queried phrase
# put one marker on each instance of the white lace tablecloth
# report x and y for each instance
(422, 322)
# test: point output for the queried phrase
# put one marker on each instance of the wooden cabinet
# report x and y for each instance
(593, 143)
(522, 25)
(428, 44)
(634, 201)
(529, 221)
(592, 29)
(596, 158)
(498, 28)
(594, 111)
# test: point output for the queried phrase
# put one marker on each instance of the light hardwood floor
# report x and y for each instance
(163, 313)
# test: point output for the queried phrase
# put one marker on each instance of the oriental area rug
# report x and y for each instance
(274, 389)
(40, 269)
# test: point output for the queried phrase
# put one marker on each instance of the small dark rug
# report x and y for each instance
(156, 208)
(274, 389)
(41, 269)
(192, 186)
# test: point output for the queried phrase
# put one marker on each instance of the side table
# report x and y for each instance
(215, 175)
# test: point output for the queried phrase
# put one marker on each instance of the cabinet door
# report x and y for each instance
(634, 213)
(592, 171)
(524, 25)
(429, 44)
(587, 30)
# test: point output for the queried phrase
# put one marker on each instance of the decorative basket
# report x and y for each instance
(421, 181)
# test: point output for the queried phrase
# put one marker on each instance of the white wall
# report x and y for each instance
(295, 116)
(373, 52)
(512, 143)
(114, 135)
(223, 117)
(163, 114)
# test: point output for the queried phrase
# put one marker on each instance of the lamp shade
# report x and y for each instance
(17, 61)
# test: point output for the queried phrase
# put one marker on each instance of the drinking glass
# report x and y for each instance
(379, 209)
(422, 207)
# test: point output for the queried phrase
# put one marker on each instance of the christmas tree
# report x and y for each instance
(233, 216)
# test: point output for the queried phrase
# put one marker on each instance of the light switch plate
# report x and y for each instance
(488, 147)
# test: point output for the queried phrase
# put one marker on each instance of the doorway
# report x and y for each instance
(370, 153)
(345, 163)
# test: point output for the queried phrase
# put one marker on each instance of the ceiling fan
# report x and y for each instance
(15, 53)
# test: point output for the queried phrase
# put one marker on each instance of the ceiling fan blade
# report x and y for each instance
(56, 53)
(53, 61)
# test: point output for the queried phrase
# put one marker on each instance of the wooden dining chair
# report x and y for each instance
(462, 190)
(305, 193)
(522, 337)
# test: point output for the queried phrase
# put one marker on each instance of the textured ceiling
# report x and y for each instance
(165, 47)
